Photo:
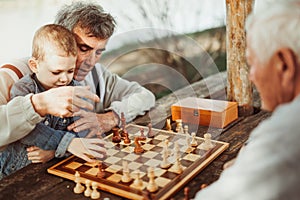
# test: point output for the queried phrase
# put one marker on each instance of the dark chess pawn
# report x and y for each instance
(101, 172)
(116, 135)
(142, 133)
(150, 133)
(126, 138)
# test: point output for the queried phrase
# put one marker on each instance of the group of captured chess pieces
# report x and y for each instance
(121, 133)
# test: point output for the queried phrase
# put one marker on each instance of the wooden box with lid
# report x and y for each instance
(205, 112)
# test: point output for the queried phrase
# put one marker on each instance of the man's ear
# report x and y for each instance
(32, 62)
(286, 65)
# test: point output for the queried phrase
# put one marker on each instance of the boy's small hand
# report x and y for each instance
(37, 155)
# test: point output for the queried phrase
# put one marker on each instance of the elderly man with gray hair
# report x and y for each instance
(268, 166)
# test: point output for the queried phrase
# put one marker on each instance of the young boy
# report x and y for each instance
(53, 61)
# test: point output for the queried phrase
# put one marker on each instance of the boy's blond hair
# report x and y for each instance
(53, 36)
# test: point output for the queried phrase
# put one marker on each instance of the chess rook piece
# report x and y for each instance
(78, 187)
(116, 135)
(101, 172)
(95, 194)
(168, 125)
(88, 189)
(150, 133)
(151, 187)
(138, 149)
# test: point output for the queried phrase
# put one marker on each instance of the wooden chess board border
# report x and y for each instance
(131, 193)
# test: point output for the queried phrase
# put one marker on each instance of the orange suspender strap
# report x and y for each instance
(14, 69)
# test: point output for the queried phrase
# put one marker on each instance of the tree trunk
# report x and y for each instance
(239, 88)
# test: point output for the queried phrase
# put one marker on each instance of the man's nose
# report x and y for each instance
(91, 58)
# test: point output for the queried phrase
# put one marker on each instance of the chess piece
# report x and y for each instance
(95, 194)
(138, 149)
(188, 144)
(168, 125)
(186, 129)
(150, 133)
(126, 138)
(194, 142)
(126, 177)
(186, 193)
(151, 187)
(78, 187)
(101, 172)
(179, 128)
(207, 144)
(88, 189)
(116, 135)
(166, 147)
(123, 121)
(177, 166)
(165, 164)
(138, 183)
(142, 133)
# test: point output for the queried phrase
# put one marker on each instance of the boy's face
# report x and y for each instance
(55, 70)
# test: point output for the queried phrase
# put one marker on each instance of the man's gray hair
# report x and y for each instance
(87, 15)
(274, 27)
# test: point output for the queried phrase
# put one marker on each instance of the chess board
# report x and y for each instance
(168, 181)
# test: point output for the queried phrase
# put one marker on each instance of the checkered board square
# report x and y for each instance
(192, 159)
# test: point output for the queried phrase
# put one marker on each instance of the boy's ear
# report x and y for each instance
(32, 62)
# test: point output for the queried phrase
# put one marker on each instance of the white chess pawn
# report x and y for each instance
(194, 142)
(151, 187)
(207, 142)
(95, 194)
(78, 187)
(88, 189)
(138, 182)
(186, 129)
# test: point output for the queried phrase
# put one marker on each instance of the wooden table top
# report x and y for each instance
(33, 181)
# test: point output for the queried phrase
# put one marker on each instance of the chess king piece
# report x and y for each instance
(126, 176)
(95, 194)
(78, 187)
(151, 187)
(88, 190)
